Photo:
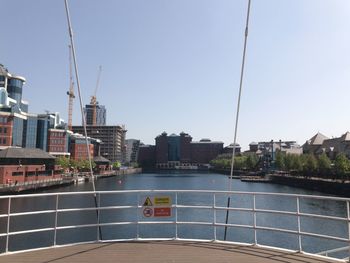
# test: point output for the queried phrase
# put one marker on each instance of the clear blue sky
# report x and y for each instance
(173, 65)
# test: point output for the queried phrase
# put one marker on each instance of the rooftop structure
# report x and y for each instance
(319, 144)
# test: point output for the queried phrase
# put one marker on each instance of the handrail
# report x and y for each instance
(332, 198)
(210, 205)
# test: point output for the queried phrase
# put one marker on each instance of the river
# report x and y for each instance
(178, 181)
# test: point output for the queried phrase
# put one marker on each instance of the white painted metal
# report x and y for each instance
(213, 207)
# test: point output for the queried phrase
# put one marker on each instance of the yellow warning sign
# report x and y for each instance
(148, 202)
(162, 200)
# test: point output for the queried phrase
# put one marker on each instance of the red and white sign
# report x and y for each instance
(147, 212)
(162, 211)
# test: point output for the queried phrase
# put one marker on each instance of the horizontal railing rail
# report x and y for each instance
(208, 201)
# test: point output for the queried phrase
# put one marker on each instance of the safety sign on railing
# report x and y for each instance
(156, 206)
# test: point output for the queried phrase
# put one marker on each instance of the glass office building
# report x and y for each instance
(174, 148)
(30, 132)
(100, 114)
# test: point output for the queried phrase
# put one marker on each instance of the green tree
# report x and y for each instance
(251, 161)
(324, 164)
(342, 165)
(63, 162)
(84, 165)
(288, 162)
(280, 161)
(116, 165)
(240, 162)
(310, 163)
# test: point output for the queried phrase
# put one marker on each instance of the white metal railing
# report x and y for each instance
(210, 203)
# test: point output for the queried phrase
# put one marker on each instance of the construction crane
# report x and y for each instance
(93, 101)
(70, 93)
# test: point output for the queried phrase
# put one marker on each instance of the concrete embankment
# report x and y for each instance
(120, 172)
(34, 185)
(329, 186)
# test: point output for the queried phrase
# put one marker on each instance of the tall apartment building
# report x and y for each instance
(112, 140)
(100, 114)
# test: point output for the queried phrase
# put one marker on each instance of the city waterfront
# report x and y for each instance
(169, 181)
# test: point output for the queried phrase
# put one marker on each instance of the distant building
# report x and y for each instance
(314, 144)
(112, 140)
(132, 150)
(20, 165)
(271, 147)
(147, 156)
(205, 150)
(101, 114)
(18, 128)
(78, 147)
(320, 143)
(58, 142)
(229, 149)
(178, 151)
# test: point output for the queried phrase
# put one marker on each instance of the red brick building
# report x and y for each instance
(19, 165)
(6, 126)
(179, 152)
(57, 142)
(205, 150)
(78, 149)
(147, 156)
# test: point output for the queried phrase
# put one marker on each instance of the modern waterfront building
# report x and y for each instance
(101, 114)
(147, 156)
(78, 147)
(112, 140)
(20, 165)
(205, 150)
(18, 128)
(179, 151)
(131, 151)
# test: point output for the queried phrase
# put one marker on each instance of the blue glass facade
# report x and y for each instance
(100, 114)
(14, 89)
(174, 148)
(30, 132)
(17, 133)
(42, 131)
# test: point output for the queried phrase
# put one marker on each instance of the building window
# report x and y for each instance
(5, 130)
(17, 173)
(4, 141)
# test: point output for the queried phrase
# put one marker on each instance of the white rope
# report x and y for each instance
(239, 96)
(79, 93)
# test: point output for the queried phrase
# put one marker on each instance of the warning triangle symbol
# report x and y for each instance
(148, 202)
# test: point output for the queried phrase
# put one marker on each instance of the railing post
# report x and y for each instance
(8, 224)
(137, 217)
(298, 215)
(56, 217)
(214, 215)
(98, 196)
(254, 220)
(348, 214)
(176, 230)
